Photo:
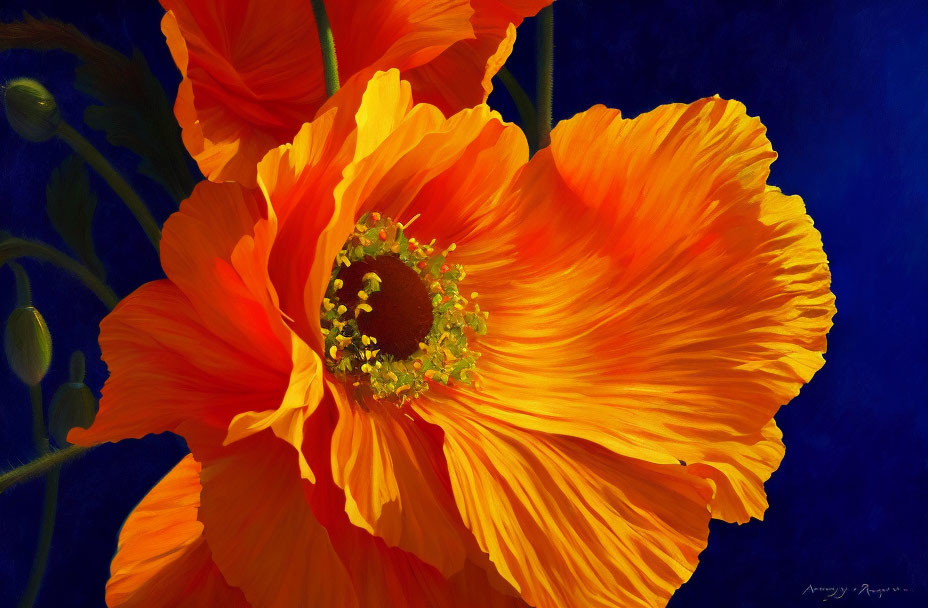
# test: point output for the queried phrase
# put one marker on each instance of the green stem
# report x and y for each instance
(327, 43)
(12, 248)
(23, 288)
(523, 104)
(544, 57)
(44, 544)
(39, 432)
(116, 181)
(39, 466)
(47, 527)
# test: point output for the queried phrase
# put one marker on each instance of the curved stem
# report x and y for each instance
(544, 57)
(12, 248)
(44, 545)
(327, 43)
(23, 288)
(39, 432)
(116, 181)
(523, 103)
(50, 507)
(39, 466)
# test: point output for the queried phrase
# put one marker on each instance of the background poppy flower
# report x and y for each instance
(652, 303)
(252, 71)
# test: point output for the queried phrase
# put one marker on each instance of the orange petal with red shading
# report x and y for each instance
(216, 250)
(461, 76)
(207, 344)
(167, 369)
(569, 523)
(162, 559)
(391, 470)
(658, 298)
(252, 71)
(264, 537)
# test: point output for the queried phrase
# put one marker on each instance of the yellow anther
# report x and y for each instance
(373, 277)
(365, 340)
(375, 216)
(395, 247)
(459, 306)
(473, 295)
(343, 341)
(429, 373)
(333, 352)
(342, 309)
(373, 339)
(327, 304)
(361, 307)
(360, 227)
(378, 365)
(365, 368)
(400, 389)
(423, 346)
(338, 283)
(368, 354)
(393, 376)
(324, 331)
(452, 246)
(362, 295)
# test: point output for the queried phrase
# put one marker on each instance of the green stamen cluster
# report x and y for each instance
(442, 356)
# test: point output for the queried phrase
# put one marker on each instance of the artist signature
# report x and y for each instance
(830, 594)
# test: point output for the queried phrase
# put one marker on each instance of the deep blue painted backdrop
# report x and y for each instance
(843, 90)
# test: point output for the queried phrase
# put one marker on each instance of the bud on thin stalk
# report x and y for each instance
(26, 339)
(31, 110)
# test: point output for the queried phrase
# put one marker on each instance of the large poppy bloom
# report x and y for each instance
(252, 69)
(652, 303)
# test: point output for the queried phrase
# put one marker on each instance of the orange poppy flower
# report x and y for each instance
(252, 69)
(652, 303)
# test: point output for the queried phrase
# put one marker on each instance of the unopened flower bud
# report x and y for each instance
(31, 110)
(73, 404)
(28, 344)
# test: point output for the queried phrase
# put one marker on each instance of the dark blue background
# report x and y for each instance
(843, 90)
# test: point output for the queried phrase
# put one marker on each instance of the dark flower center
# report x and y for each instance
(401, 314)
(393, 318)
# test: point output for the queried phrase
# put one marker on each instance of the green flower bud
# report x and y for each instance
(28, 344)
(31, 109)
(73, 404)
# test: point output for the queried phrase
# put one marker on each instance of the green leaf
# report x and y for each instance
(134, 111)
(70, 205)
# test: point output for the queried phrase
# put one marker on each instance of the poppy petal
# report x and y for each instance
(309, 169)
(391, 471)
(162, 559)
(659, 299)
(287, 420)
(461, 76)
(252, 71)
(263, 535)
(167, 369)
(216, 249)
(567, 522)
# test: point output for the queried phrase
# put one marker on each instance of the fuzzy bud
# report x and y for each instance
(28, 344)
(73, 404)
(31, 109)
